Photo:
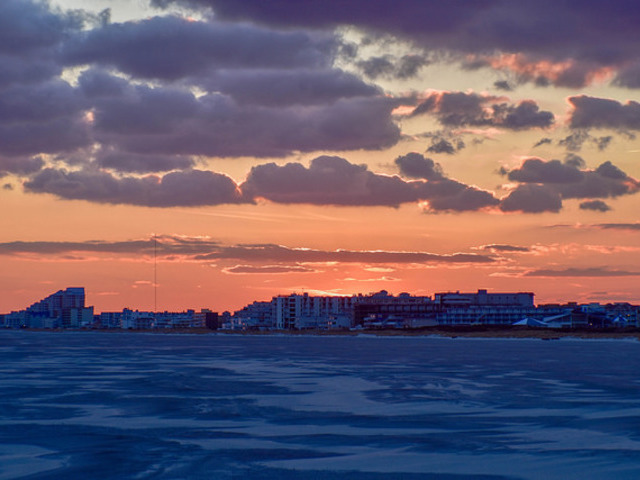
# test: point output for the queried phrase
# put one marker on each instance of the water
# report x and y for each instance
(142, 406)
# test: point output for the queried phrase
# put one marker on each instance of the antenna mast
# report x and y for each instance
(155, 274)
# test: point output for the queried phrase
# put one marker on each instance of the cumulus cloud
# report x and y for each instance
(570, 180)
(171, 47)
(442, 146)
(532, 198)
(128, 162)
(595, 205)
(564, 43)
(184, 188)
(286, 87)
(536, 170)
(327, 181)
(388, 66)
(576, 139)
(162, 120)
(594, 112)
(459, 109)
(444, 141)
(20, 165)
(335, 181)
(41, 118)
(414, 165)
(503, 85)
(629, 76)
(28, 25)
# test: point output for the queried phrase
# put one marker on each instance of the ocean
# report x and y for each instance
(92, 405)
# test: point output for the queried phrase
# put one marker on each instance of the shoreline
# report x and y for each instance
(445, 332)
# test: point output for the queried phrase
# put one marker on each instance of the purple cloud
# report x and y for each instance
(162, 120)
(532, 198)
(579, 38)
(593, 112)
(185, 188)
(459, 109)
(595, 205)
(171, 48)
(570, 180)
(335, 181)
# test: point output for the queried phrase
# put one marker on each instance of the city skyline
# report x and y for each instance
(68, 309)
(217, 152)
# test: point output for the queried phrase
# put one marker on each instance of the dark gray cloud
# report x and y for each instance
(444, 141)
(327, 181)
(47, 117)
(542, 141)
(574, 160)
(595, 205)
(445, 146)
(629, 76)
(335, 181)
(570, 180)
(32, 68)
(578, 37)
(532, 198)
(503, 85)
(388, 66)
(27, 26)
(20, 165)
(414, 165)
(459, 109)
(375, 67)
(38, 113)
(443, 194)
(593, 112)
(162, 120)
(575, 140)
(582, 272)
(171, 48)
(466, 199)
(287, 87)
(205, 249)
(39, 103)
(185, 188)
(141, 163)
(536, 170)
(63, 134)
(442, 146)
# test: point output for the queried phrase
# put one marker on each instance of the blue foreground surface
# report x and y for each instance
(93, 405)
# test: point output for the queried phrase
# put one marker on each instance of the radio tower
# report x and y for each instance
(155, 275)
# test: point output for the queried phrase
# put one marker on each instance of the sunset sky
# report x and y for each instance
(331, 147)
